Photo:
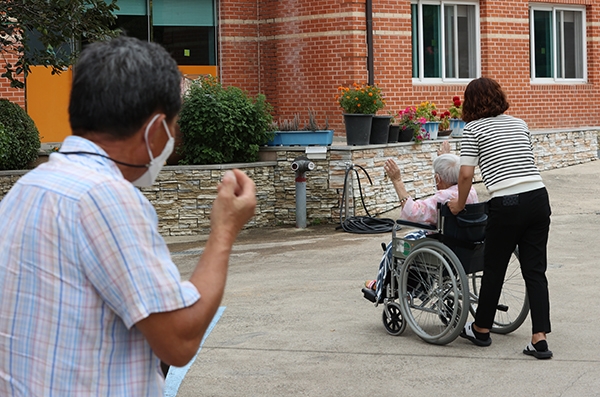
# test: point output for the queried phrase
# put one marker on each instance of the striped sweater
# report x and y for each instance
(501, 146)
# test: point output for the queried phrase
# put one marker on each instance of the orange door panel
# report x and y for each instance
(48, 99)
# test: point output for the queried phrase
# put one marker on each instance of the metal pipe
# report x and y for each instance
(301, 165)
(370, 64)
(300, 200)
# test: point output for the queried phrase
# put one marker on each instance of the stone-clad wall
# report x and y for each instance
(183, 195)
(552, 149)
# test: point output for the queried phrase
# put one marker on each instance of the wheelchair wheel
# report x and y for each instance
(513, 306)
(393, 322)
(433, 288)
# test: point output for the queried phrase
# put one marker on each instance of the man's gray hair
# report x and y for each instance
(118, 84)
(447, 166)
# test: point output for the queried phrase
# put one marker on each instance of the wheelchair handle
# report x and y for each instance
(426, 226)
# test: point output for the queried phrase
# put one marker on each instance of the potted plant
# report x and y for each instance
(394, 129)
(456, 122)
(444, 129)
(428, 111)
(359, 103)
(380, 129)
(289, 132)
(411, 126)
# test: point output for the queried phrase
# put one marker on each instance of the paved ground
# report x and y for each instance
(296, 324)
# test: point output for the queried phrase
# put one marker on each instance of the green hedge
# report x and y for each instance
(222, 125)
(19, 137)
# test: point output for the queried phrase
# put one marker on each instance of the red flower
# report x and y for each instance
(434, 113)
(456, 98)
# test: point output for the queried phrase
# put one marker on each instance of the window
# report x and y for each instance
(558, 51)
(186, 28)
(445, 41)
(132, 18)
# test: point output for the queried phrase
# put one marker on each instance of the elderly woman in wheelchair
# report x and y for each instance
(423, 279)
(446, 169)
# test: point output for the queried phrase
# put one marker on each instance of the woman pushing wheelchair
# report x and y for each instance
(519, 210)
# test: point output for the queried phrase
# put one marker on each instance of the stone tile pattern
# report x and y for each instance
(183, 195)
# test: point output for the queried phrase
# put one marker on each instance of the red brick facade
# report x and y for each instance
(6, 91)
(298, 52)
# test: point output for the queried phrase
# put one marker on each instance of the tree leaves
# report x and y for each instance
(48, 33)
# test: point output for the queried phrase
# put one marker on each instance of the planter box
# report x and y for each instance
(302, 138)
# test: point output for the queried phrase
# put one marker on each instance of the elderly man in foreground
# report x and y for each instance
(90, 300)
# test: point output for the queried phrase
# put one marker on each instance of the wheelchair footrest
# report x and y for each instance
(369, 295)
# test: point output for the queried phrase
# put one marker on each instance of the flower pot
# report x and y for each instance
(457, 125)
(302, 138)
(358, 128)
(406, 135)
(432, 127)
(444, 134)
(380, 129)
(393, 133)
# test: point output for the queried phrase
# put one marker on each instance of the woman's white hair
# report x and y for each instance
(447, 166)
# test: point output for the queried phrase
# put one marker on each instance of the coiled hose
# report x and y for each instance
(362, 224)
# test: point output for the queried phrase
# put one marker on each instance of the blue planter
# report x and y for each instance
(302, 138)
(432, 127)
(457, 125)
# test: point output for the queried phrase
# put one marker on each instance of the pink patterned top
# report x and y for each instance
(425, 211)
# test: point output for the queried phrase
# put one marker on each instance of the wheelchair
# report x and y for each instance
(431, 284)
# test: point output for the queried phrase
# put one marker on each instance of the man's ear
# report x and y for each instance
(155, 121)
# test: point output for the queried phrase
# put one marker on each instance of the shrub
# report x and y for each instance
(3, 145)
(19, 140)
(222, 125)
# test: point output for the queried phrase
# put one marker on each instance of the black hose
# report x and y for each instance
(362, 224)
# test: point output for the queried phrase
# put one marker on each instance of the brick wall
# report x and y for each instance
(183, 195)
(298, 53)
(6, 91)
(307, 49)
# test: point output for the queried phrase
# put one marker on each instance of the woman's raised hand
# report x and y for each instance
(444, 149)
(392, 170)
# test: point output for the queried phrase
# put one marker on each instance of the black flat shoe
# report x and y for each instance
(468, 333)
(539, 350)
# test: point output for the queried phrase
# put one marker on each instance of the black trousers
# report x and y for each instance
(521, 220)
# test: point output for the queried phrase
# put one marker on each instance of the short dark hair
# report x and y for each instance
(483, 98)
(118, 84)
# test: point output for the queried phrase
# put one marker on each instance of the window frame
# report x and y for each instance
(555, 79)
(421, 79)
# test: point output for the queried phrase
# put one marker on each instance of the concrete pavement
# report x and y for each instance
(295, 322)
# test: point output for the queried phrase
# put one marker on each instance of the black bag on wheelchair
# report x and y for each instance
(464, 233)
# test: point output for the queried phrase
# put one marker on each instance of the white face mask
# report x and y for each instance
(156, 164)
